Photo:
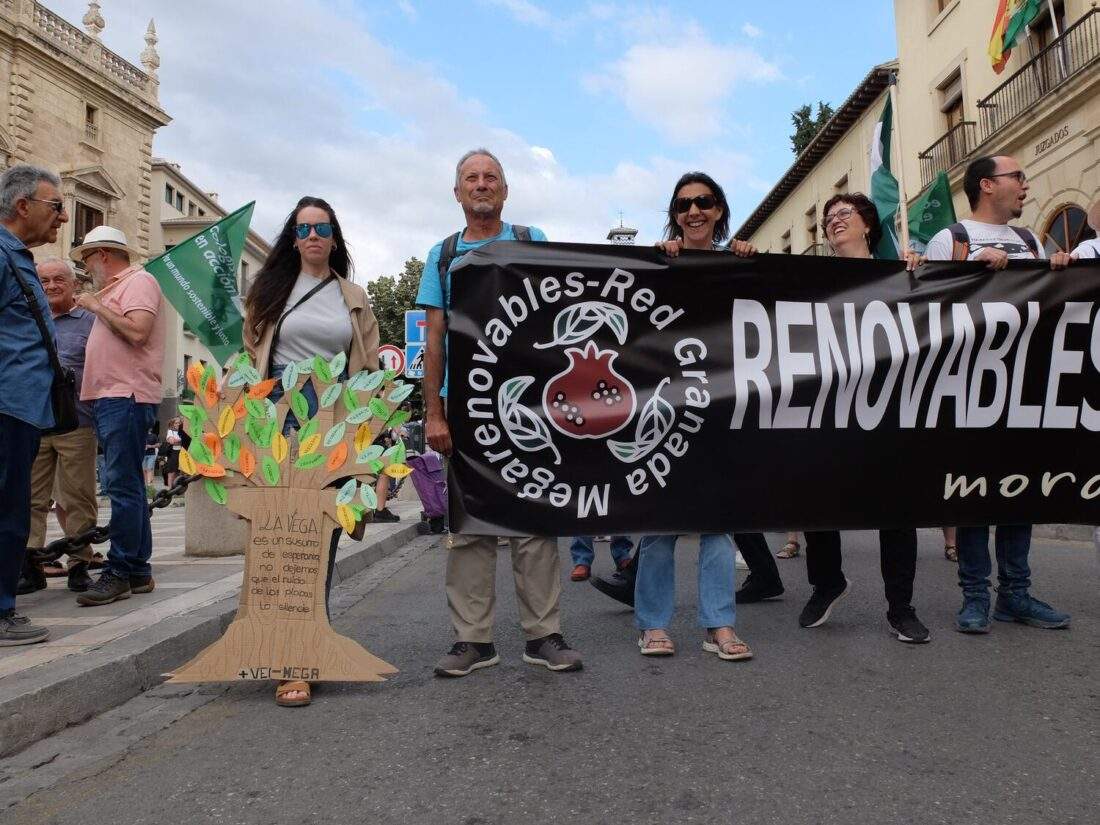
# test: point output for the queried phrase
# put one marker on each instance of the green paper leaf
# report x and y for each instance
(308, 462)
(242, 360)
(255, 408)
(359, 415)
(328, 398)
(337, 364)
(359, 510)
(261, 432)
(207, 374)
(200, 452)
(390, 374)
(402, 392)
(269, 409)
(370, 454)
(231, 446)
(290, 376)
(373, 381)
(347, 492)
(375, 466)
(236, 379)
(358, 382)
(305, 367)
(195, 415)
(251, 374)
(320, 369)
(379, 409)
(309, 429)
(398, 418)
(335, 435)
(351, 400)
(270, 468)
(216, 491)
(299, 406)
(367, 494)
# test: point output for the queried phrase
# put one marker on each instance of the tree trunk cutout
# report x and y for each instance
(295, 494)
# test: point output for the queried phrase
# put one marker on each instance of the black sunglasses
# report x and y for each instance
(323, 230)
(58, 206)
(682, 205)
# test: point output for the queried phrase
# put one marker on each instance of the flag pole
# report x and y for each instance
(903, 206)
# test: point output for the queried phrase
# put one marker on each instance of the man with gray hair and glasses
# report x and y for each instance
(66, 461)
(31, 210)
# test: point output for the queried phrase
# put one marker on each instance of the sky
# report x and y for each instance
(595, 108)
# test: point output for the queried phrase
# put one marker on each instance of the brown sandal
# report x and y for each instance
(656, 645)
(283, 688)
(950, 552)
(731, 649)
(789, 550)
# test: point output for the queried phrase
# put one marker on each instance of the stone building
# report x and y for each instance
(74, 106)
(1043, 109)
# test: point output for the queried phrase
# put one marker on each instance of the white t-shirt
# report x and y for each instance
(320, 326)
(1088, 249)
(982, 235)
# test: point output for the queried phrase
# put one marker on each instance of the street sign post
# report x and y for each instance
(416, 336)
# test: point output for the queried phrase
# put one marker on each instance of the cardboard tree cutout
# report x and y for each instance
(294, 495)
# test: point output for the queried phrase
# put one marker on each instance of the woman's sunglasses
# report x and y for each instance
(323, 230)
(702, 201)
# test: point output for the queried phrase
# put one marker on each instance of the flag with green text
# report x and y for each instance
(884, 186)
(931, 212)
(199, 279)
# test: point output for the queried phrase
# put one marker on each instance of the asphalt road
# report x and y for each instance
(837, 724)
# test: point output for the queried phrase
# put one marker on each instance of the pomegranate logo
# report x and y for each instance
(589, 399)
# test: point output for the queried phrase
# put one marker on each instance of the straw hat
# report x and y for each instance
(104, 237)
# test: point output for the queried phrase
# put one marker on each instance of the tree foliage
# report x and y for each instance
(806, 126)
(390, 296)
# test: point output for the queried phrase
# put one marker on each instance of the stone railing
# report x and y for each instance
(124, 72)
(60, 31)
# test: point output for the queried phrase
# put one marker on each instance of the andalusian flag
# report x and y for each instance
(884, 186)
(199, 278)
(931, 212)
(1013, 16)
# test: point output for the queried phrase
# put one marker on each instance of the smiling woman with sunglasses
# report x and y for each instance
(302, 304)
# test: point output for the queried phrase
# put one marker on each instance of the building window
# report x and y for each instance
(841, 185)
(85, 220)
(202, 212)
(1066, 229)
(1042, 28)
(785, 242)
(179, 201)
(951, 99)
(191, 210)
(91, 123)
(169, 194)
(244, 276)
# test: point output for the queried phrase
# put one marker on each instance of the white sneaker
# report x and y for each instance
(739, 562)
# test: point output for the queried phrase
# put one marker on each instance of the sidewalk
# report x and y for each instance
(99, 657)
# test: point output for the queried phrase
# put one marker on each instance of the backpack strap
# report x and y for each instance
(1028, 237)
(522, 233)
(960, 242)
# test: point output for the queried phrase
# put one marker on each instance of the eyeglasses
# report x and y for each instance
(58, 206)
(1021, 178)
(682, 205)
(842, 214)
(323, 230)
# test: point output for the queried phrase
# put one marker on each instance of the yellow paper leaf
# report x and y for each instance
(187, 464)
(346, 516)
(279, 447)
(398, 470)
(226, 422)
(338, 456)
(310, 445)
(363, 438)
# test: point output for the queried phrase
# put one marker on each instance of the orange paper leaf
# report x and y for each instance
(212, 470)
(263, 389)
(194, 375)
(213, 443)
(247, 462)
(238, 409)
(211, 392)
(337, 457)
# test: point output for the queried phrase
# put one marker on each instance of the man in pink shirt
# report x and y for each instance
(122, 374)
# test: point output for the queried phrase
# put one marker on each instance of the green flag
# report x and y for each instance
(199, 278)
(932, 211)
(884, 186)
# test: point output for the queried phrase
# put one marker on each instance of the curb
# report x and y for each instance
(44, 700)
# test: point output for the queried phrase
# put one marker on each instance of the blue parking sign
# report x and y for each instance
(414, 360)
(416, 326)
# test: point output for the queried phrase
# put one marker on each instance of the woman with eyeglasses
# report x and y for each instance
(698, 218)
(303, 303)
(852, 229)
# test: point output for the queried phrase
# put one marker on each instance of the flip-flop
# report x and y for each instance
(284, 688)
(789, 550)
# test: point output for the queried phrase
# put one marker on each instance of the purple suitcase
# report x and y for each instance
(430, 480)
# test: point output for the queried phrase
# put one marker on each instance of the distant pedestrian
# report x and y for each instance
(175, 439)
(65, 466)
(122, 377)
(31, 210)
(149, 460)
(583, 552)
(996, 188)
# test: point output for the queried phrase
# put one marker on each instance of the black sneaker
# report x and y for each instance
(17, 630)
(142, 584)
(466, 657)
(756, 590)
(106, 589)
(79, 580)
(31, 579)
(385, 515)
(552, 653)
(817, 609)
(907, 627)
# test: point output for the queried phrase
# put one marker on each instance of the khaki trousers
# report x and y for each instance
(471, 585)
(70, 458)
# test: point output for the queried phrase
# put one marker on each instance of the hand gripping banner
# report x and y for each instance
(599, 389)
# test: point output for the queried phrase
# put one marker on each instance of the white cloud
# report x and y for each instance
(525, 12)
(680, 88)
(749, 30)
(408, 9)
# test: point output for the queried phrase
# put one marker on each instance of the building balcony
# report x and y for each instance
(948, 151)
(815, 249)
(1071, 55)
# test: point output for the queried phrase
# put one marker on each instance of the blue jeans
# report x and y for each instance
(1013, 543)
(18, 447)
(120, 426)
(655, 589)
(583, 553)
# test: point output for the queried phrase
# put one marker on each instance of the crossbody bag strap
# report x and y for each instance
(39, 319)
(279, 323)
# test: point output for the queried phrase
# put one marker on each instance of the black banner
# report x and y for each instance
(599, 389)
